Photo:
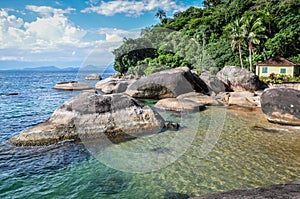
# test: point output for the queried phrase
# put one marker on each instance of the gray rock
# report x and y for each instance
(281, 105)
(93, 77)
(88, 115)
(201, 99)
(290, 190)
(174, 104)
(167, 84)
(238, 79)
(113, 85)
(243, 99)
(214, 84)
(73, 85)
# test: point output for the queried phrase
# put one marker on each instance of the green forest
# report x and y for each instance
(223, 32)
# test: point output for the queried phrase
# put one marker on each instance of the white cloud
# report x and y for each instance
(49, 31)
(52, 37)
(132, 8)
(47, 11)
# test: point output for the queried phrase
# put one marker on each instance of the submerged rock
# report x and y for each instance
(174, 104)
(288, 190)
(167, 84)
(73, 85)
(238, 79)
(94, 76)
(281, 105)
(88, 115)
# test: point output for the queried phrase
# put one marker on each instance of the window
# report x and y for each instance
(283, 71)
(264, 69)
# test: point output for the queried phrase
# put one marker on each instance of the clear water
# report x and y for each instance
(242, 157)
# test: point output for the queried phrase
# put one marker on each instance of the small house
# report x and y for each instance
(277, 65)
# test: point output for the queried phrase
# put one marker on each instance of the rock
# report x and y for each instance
(238, 79)
(167, 84)
(240, 101)
(9, 94)
(174, 104)
(242, 98)
(113, 85)
(117, 117)
(171, 125)
(200, 99)
(222, 97)
(93, 77)
(73, 85)
(214, 84)
(281, 105)
(288, 190)
(245, 94)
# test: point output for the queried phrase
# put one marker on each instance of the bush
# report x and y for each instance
(279, 78)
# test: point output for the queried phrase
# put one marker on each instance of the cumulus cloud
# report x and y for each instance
(49, 31)
(53, 37)
(132, 8)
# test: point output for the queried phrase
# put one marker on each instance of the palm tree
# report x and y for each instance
(161, 14)
(254, 30)
(236, 33)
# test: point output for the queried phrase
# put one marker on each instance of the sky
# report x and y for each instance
(74, 33)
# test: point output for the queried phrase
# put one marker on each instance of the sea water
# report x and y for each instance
(239, 156)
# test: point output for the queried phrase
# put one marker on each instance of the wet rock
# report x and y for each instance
(93, 77)
(171, 125)
(117, 117)
(281, 105)
(238, 79)
(167, 84)
(73, 85)
(174, 104)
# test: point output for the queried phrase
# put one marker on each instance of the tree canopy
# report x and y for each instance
(207, 38)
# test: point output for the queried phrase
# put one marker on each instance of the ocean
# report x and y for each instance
(208, 155)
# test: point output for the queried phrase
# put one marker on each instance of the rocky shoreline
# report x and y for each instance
(119, 111)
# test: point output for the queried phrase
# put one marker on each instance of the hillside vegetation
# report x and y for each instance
(223, 32)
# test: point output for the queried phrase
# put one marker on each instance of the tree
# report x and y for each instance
(236, 33)
(254, 30)
(161, 14)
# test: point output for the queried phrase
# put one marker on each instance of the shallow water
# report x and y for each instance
(164, 165)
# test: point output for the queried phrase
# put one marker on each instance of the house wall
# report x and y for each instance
(274, 69)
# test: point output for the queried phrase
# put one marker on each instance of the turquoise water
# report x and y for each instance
(241, 156)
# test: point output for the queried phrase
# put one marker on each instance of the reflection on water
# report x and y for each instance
(245, 156)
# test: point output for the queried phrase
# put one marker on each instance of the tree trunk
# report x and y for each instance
(240, 53)
(250, 56)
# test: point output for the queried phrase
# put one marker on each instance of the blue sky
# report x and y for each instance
(73, 33)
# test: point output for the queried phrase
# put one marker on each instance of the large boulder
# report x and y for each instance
(214, 84)
(73, 85)
(113, 85)
(281, 105)
(93, 76)
(88, 115)
(167, 84)
(174, 104)
(201, 99)
(238, 79)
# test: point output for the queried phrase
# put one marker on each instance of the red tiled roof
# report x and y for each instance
(277, 61)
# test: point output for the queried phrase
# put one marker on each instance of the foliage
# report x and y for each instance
(224, 32)
(279, 78)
